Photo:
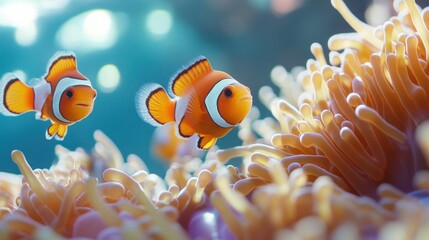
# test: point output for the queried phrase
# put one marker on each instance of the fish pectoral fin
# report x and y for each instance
(185, 130)
(52, 130)
(44, 117)
(206, 142)
(57, 130)
(41, 116)
(194, 112)
(62, 131)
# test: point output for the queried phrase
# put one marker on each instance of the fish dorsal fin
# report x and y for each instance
(184, 78)
(61, 62)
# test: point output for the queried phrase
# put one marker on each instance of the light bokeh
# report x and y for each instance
(108, 78)
(159, 22)
(26, 35)
(99, 31)
(17, 13)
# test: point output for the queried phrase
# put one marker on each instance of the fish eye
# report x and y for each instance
(69, 94)
(227, 92)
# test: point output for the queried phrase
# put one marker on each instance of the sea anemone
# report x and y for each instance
(347, 158)
(357, 117)
(66, 201)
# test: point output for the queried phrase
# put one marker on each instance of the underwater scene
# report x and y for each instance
(217, 119)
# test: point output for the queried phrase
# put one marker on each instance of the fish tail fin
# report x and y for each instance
(15, 96)
(154, 105)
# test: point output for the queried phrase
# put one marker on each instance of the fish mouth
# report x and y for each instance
(245, 99)
(82, 105)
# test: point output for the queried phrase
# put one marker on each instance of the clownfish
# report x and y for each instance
(64, 96)
(206, 102)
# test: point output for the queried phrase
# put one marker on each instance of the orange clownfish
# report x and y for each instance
(63, 95)
(207, 102)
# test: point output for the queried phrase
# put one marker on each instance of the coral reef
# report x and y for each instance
(346, 158)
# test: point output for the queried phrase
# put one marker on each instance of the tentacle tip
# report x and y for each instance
(315, 46)
(98, 134)
(17, 155)
(335, 3)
